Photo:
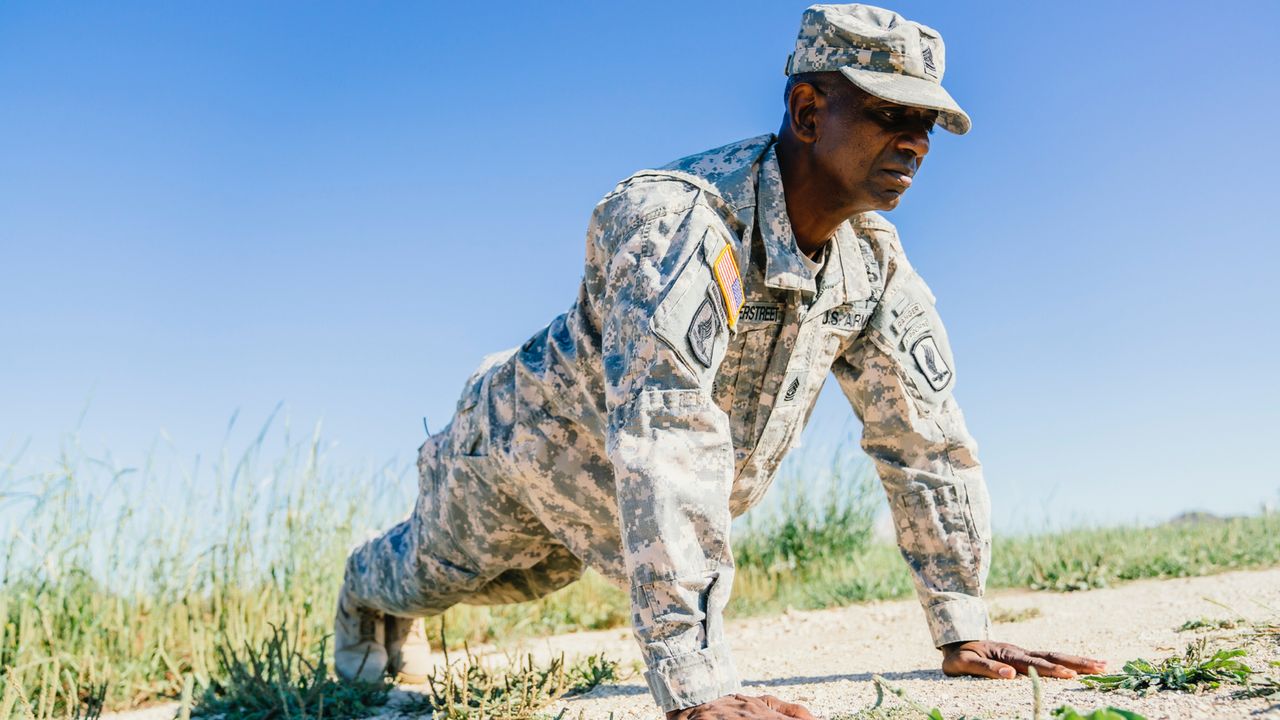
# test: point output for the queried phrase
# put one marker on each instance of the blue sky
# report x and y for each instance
(208, 209)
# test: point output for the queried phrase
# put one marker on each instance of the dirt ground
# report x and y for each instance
(825, 659)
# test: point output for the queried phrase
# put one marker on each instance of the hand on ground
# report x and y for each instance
(986, 658)
(742, 707)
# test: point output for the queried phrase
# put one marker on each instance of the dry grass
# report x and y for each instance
(119, 585)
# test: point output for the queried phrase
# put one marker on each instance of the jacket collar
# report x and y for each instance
(783, 266)
(745, 175)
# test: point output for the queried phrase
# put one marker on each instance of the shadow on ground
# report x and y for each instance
(856, 677)
(610, 691)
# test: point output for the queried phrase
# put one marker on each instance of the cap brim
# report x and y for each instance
(907, 90)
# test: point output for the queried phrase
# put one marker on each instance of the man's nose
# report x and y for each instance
(915, 141)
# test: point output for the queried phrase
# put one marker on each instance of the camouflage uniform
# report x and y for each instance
(628, 432)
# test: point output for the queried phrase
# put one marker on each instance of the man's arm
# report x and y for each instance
(664, 333)
(899, 376)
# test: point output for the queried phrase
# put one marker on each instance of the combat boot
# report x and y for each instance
(359, 642)
(408, 652)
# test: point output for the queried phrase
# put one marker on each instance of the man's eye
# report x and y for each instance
(895, 118)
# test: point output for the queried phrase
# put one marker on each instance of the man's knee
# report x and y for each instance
(557, 570)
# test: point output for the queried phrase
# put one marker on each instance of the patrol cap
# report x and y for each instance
(881, 52)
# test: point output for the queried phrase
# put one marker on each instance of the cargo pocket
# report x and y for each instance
(428, 464)
(469, 430)
(938, 538)
(672, 605)
(755, 349)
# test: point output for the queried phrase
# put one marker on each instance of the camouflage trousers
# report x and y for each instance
(467, 540)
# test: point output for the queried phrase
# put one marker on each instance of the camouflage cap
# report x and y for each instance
(881, 52)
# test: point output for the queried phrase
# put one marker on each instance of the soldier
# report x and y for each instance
(719, 292)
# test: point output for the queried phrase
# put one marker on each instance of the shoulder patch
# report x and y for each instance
(702, 332)
(730, 282)
(929, 359)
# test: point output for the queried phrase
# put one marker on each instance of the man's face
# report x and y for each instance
(867, 149)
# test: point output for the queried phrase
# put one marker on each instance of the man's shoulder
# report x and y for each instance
(723, 166)
(720, 179)
(872, 221)
(881, 234)
(725, 172)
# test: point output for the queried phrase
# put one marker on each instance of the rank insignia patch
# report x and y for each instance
(730, 282)
(702, 332)
(929, 360)
(929, 68)
(792, 389)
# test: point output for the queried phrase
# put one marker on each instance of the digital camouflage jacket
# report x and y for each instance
(638, 423)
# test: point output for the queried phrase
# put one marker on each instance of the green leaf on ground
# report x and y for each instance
(1193, 671)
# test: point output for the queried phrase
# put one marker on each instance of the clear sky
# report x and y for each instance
(208, 208)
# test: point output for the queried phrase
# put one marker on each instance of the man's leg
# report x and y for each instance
(467, 541)
(514, 585)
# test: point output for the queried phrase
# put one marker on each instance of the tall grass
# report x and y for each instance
(130, 577)
(125, 582)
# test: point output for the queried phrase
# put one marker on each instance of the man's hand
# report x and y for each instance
(742, 707)
(985, 658)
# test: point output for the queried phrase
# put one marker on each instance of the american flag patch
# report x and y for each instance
(730, 282)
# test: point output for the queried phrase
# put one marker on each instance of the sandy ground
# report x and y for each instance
(825, 659)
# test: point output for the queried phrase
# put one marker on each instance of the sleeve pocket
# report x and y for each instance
(691, 320)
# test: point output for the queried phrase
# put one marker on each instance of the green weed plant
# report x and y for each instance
(471, 689)
(278, 679)
(912, 709)
(1210, 624)
(1196, 670)
(1066, 712)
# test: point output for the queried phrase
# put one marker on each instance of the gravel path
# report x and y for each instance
(825, 659)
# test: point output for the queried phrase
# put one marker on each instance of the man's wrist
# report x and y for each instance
(679, 713)
(953, 646)
(958, 620)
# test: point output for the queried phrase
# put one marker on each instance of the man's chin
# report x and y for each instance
(888, 201)
(878, 200)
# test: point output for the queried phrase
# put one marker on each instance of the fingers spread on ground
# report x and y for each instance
(778, 704)
(1048, 669)
(791, 710)
(763, 707)
(1022, 659)
(984, 667)
(1081, 664)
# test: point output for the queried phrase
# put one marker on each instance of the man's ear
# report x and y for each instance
(802, 110)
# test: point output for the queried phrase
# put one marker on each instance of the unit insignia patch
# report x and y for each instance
(929, 360)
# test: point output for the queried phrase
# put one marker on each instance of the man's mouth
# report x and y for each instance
(901, 178)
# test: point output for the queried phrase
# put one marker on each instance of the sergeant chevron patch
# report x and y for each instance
(702, 332)
(791, 391)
